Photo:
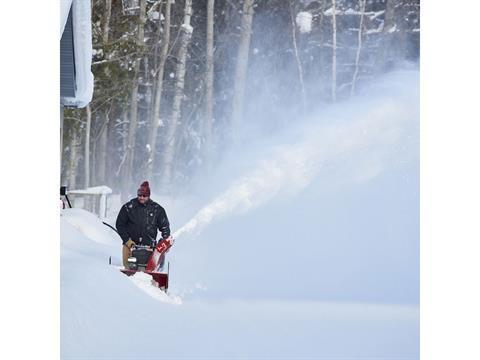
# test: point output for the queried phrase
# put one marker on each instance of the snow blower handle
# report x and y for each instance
(164, 245)
(158, 253)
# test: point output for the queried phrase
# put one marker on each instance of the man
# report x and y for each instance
(138, 221)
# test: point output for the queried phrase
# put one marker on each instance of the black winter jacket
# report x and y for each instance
(140, 222)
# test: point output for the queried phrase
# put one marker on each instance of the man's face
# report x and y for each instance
(142, 199)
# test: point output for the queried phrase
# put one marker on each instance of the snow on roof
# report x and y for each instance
(64, 10)
(95, 190)
(90, 226)
(82, 41)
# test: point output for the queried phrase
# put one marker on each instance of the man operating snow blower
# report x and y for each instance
(138, 222)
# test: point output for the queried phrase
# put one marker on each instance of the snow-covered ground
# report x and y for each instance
(106, 315)
(309, 251)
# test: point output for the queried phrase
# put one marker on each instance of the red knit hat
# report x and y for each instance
(144, 189)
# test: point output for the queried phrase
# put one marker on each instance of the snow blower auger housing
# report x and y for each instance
(150, 260)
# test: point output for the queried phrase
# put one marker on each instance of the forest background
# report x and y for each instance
(176, 81)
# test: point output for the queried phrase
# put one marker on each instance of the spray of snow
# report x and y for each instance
(369, 125)
(145, 282)
(304, 21)
(290, 169)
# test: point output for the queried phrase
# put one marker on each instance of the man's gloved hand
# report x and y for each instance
(129, 243)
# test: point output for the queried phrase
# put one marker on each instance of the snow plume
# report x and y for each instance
(145, 283)
(371, 130)
(290, 169)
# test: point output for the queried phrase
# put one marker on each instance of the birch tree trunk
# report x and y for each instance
(61, 139)
(321, 40)
(389, 15)
(132, 130)
(106, 21)
(101, 152)
(399, 32)
(125, 126)
(87, 146)
(112, 150)
(155, 119)
(241, 67)
(359, 47)
(384, 54)
(120, 169)
(170, 145)
(297, 59)
(73, 160)
(208, 122)
(334, 51)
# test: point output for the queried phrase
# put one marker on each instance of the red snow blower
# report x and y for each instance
(150, 260)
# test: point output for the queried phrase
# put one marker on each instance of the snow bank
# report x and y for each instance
(89, 225)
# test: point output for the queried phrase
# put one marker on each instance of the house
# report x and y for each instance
(76, 78)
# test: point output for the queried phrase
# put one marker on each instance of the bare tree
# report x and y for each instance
(124, 126)
(155, 118)
(334, 50)
(100, 144)
(384, 54)
(61, 138)
(72, 165)
(321, 39)
(389, 23)
(297, 58)
(208, 122)
(132, 130)
(106, 21)
(87, 146)
(170, 145)
(100, 152)
(359, 47)
(242, 64)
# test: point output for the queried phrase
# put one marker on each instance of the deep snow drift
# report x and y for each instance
(303, 245)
